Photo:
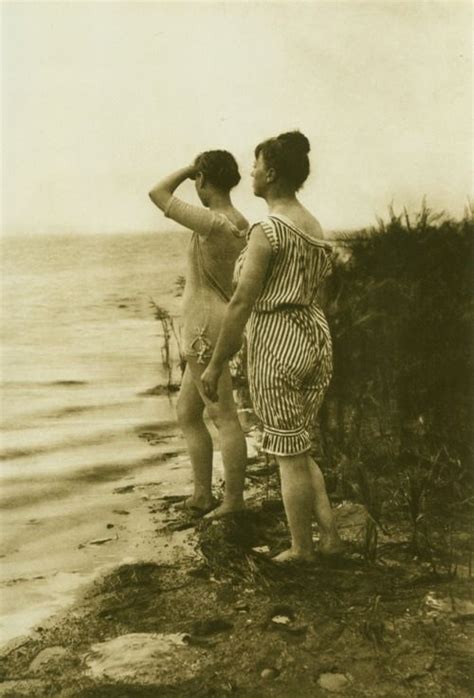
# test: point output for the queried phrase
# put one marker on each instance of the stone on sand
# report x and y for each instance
(50, 660)
(145, 658)
(333, 683)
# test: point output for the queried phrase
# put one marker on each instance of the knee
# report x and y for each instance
(222, 419)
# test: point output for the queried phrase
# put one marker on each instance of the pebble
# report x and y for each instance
(268, 674)
(334, 683)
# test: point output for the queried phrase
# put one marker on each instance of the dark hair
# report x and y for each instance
(219, 167)
(287, 154)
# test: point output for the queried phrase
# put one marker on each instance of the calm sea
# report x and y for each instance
(80, 346)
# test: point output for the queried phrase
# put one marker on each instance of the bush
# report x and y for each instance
(401, 316)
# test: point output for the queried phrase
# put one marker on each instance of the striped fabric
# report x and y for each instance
(289, 343)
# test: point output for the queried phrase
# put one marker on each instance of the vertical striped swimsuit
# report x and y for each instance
(289, 344)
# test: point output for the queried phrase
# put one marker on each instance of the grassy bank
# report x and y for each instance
(223, 619)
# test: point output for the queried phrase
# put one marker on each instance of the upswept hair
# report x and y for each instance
(219, 167)
(287, 154)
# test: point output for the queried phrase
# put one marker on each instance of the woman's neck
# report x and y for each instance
(279, 202)
(220, 202)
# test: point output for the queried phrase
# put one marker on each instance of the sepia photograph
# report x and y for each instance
(237, 357)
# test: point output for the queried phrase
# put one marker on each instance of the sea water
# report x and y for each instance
(80, 349)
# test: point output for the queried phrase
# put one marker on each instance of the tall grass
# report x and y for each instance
(400, 308)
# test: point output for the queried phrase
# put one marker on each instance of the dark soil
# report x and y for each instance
(398, 626)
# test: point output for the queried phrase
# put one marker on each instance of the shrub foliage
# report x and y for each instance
(400, 308)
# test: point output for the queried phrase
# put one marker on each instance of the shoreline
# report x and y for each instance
(199, 609)
(71, 540)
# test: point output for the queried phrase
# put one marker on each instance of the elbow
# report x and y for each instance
(159, 198)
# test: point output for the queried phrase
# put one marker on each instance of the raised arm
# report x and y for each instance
(238, 311)
(197, 218)
(163, 191)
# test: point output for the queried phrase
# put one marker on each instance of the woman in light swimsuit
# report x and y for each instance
(289, 345)
(218, 238)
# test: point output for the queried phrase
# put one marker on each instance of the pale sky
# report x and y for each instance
(102, 99)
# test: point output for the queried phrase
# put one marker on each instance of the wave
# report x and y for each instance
(42, 492)
(91, 436)
(41, 384)
(29, 489)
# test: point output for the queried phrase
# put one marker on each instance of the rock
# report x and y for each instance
(334, 683)
(282, 611)
(283, 618)
(270, 673)
(122, 512)
(437, 605)
(264, 549)
(459, 609)
(49, 660)
(145, 658)
(463, 608)
(13, 645)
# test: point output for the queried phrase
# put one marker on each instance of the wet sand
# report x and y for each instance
(70, 541)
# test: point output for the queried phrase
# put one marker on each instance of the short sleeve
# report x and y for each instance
(270, 233)
(197, 219)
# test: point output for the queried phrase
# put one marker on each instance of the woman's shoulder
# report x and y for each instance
(231, 222)
(266, 228)
(305, 226)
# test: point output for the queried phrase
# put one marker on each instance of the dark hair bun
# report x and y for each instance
(296, 141)
(220, 168)
(287, 154)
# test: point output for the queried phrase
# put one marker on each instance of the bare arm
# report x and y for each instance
(200, 220)
(163, 191)
(251, 282)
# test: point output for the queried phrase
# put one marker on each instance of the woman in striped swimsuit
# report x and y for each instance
(218, 238)
(289, 344)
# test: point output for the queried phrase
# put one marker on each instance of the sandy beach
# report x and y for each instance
(178, 608)
(107, 523)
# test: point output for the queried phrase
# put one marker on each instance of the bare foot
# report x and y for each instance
(291, 556)
(224, 510)
(198, 507)
(331, 545)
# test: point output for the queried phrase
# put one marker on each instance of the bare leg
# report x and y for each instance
(231, 439)
(298, 499)
(329, 541)
(198, 440)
